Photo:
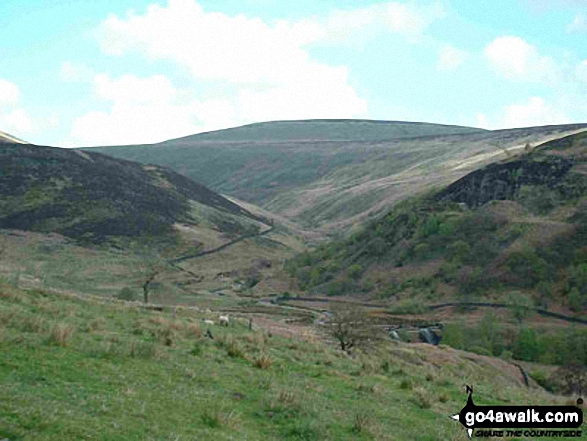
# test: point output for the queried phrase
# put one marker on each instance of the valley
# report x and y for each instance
(476, 236)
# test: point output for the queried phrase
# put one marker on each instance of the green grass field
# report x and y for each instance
(76, 368)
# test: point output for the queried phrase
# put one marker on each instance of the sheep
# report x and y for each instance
(208, 322)
(223, 320)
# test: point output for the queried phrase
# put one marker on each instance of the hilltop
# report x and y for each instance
(363, 130)
(330, 175)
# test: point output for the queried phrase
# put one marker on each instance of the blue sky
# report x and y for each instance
(98, 72)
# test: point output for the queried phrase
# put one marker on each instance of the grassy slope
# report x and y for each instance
(82, 369)
(332, 174)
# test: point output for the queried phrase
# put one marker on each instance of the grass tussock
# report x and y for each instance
(61, 334)
(216, 417)
(421, 398)
(362, 423)
(263, 361)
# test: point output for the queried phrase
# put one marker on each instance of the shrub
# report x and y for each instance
(527, 268)
(537, 199)
(355, 271)
(454, 335)
(520, 304)
(526, 346)
(458, 250)
(127, 294)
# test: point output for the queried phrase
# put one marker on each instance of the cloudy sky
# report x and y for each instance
(99, 72)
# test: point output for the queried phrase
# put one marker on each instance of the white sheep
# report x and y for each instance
(208, 322)
(223, 320)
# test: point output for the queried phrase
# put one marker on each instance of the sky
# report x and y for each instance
(113, 72)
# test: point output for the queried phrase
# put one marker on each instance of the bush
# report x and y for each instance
(537, 199)
(454, 335)
(127, 294)
(526, 347)
(458, 250)
(355, 271)
(527, 268)
(520, 304)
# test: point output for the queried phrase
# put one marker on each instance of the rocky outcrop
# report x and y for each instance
(503, 181)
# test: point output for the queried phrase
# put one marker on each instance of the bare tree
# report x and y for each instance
(150, 267)
(352, 326)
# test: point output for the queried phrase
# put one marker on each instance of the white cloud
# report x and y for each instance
(518, 60)
(9, 92)
(578, 25)
(450, 58)
(131, 89)
(145, 110)
(264, 69)
(16, 121)
(534, 112)
(405, 19)
(483, 122)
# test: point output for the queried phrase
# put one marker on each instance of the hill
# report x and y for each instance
(6, 138)
(326, 130)
(329, 175)
(85, 222)
(92, 197)
(512, 233)
(82, 368)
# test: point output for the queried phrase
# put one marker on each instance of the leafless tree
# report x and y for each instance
(352, 326)
(150, 268)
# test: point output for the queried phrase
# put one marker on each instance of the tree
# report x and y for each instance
(150, 267)
(520, 304)
(351, 326)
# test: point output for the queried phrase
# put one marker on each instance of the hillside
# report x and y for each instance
(83, 221)
(6, 138)
(514, 225)
(92, 197)
(329, 175)
(83, 368)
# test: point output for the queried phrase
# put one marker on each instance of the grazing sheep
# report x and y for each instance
(208, 322)
(223, 320)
